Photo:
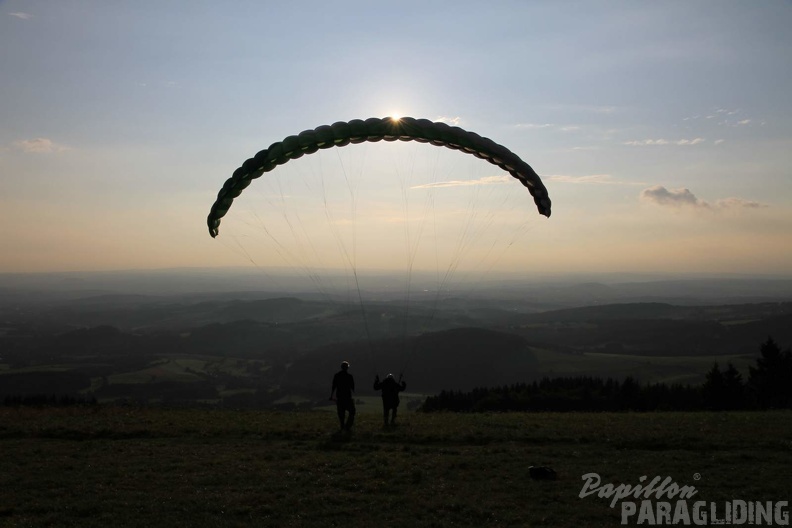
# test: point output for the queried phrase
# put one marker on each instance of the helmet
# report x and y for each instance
(345, 365)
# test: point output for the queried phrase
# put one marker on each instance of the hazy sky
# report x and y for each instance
(662, 130)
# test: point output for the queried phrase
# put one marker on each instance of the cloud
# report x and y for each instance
(534, 125)
(155, 84)
(600, 179)
(22, 16)
(453, 121)
(38, 145)
(662, 142)
(675, 197)
(735, 203)
(600, 109)
(659, 195)
(538, 126)
(725, 117)
(597, 109)
(486, 180)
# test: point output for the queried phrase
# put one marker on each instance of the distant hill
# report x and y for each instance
(535, 292)
(462, 358)
(659, 329)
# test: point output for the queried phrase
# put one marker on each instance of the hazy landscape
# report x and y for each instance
(193, 336)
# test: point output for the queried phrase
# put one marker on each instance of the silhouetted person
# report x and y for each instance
(344, 389)
(390, 395)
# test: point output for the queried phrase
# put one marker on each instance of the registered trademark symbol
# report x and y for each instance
(696, 476)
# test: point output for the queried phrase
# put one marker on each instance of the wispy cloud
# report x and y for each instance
(723, 117)
(537, 126)
(155, 84)
(534, 125)
(486, 180)
(659, 195)
(600, 109)
(599, 179)
(22, 16)
(663, 142)
(719, 112)
(597, 109)
(589, 147)
(732, 203)
(38, 145)
(454, 121)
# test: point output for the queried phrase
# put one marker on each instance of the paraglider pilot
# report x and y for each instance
(344, 389)
(390, 395)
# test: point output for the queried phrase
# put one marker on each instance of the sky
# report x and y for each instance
(662, 131)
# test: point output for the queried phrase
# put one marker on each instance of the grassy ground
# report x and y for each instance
(159, 467)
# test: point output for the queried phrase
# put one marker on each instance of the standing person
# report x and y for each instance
(390, 395)
(344, 390)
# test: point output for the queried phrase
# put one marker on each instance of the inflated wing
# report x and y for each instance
(376, 129)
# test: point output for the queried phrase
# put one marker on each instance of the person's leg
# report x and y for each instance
(340, 410)
(351, 418)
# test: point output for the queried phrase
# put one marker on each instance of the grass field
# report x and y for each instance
(118, 466)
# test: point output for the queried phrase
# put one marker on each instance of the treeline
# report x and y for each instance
(49, 400)
(769, 386)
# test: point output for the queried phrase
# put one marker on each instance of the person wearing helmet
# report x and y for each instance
(390, 395)
(344, 390)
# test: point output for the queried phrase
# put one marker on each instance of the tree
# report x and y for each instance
(713, 389)
(723, 390)
(770, 381)
(733, 388)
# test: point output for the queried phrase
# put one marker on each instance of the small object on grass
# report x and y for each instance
(542, 473)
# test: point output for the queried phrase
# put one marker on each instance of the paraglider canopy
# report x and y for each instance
(376, 129)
